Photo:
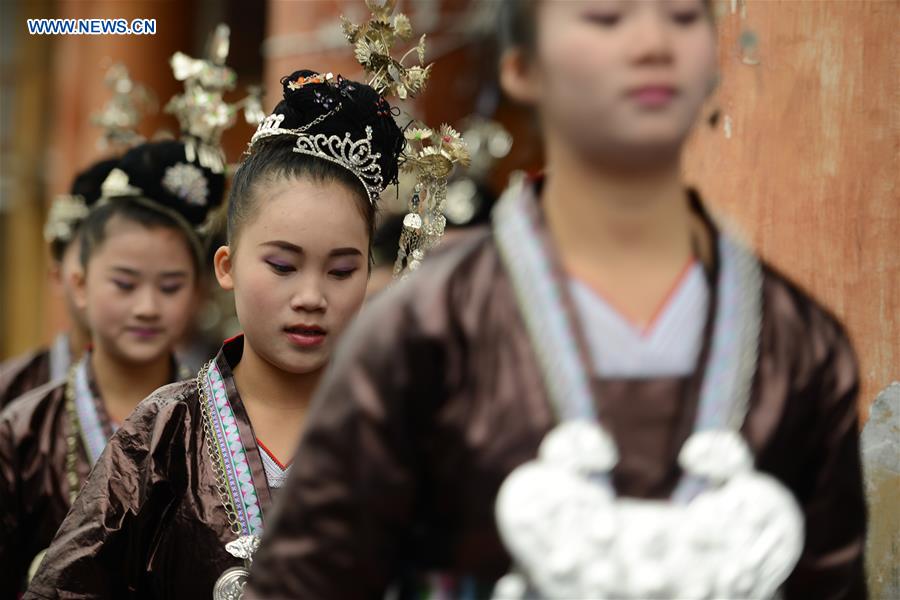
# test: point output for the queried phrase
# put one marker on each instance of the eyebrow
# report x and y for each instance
(345, 252)
(136, 273)
(289, 247)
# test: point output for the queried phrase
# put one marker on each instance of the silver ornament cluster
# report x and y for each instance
(571, 537)
(187, 182)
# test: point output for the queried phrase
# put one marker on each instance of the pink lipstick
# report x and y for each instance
(305, 336)
(653, 96)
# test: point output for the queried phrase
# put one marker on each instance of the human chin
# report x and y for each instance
(139, 347)
(300, 361)
(661, 137)
(644, 135)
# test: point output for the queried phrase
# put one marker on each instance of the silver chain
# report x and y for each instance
(72, 436)
(317, 120)
(215, 455)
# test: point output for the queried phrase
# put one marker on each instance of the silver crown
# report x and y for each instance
(354, 155)
(270, 126)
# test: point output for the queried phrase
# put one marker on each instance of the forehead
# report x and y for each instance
(307, 213)
(145, 249)
(582, 5)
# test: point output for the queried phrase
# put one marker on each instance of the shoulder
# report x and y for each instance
(37, 404)
(174, 396)
(798, 326)
(168, 410)
(13, 370)
(795, 310)
(33, 417)
(452, 278)
(13, 366)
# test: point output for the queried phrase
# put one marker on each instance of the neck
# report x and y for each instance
(123, 384)
(599, 213)
(263, 385)
(79, 339)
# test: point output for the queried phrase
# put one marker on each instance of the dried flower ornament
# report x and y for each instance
(372, 43)
(430, 155)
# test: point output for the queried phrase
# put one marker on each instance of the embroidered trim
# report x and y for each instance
(60, 358)
(231, 453)
(271, 455)
(276, 473)
(92, 434)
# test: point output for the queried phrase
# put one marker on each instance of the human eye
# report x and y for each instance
(607, 19)
(171, 289)
(125, 286)
(279, 267)
(342, 273)
(686, 17)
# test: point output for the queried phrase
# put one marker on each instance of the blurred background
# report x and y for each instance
(799, 148)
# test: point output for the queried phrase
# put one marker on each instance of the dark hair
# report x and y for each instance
(95, 228)
(387, 240)
(172, 189)
(332, 108)
(86, 185)
(152, 168)
(518, 20)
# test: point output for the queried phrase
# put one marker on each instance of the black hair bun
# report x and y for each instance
(309, 95)
(89, 182)
(163, 173)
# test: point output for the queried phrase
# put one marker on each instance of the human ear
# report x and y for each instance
(222, 261)
(78, 279)
(517, 76)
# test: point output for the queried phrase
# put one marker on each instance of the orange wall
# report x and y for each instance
(810, 170)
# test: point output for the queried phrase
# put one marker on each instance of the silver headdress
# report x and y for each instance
(189, 185)
(119, 119)
(430, 154)
(201, 110)
(120, 115)
(66, 212)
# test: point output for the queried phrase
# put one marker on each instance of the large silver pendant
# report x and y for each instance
(230, 584)
(571, 537)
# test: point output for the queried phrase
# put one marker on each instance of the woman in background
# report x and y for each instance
(33, 369)
(607, 395)
(138, 286)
